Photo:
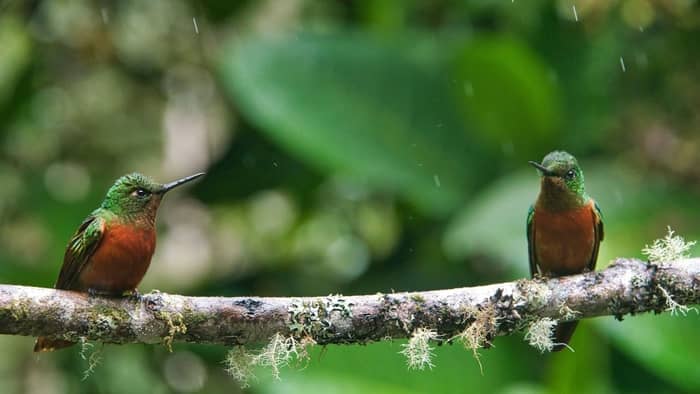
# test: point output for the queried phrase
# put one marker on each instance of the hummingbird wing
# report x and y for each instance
(599, 234)
(530, 230)
(80, 249)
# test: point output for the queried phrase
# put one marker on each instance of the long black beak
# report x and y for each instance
(541, 168)
(179, 182)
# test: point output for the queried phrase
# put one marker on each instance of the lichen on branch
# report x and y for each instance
(627, 286)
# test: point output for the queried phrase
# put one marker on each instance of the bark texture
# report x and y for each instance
(628, 286)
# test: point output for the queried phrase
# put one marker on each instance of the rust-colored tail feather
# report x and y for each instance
(44, 344)
(562, 335)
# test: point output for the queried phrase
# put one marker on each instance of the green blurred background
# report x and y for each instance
(351, 147)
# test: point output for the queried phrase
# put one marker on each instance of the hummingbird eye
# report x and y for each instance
(571, 174)
(140, 193)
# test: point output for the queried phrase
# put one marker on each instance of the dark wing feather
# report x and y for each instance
(530, 230)
(599, 235)
(79, 251)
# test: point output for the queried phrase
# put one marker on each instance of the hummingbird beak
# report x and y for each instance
(542, 169)
(179, 182)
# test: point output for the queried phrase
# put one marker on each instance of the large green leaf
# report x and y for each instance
(380, 112)
(510, 94)
(397, 114)
(666, 345)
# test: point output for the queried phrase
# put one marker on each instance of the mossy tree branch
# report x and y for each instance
(628, 286)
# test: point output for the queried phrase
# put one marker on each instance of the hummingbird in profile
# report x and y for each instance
(112, 249)
(564, 227)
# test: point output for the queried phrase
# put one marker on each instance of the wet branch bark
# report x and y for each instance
(626, 287)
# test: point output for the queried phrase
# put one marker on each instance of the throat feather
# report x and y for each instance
(556, 197)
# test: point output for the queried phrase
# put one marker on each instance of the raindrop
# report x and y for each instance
(573, 7)
(436, 178)
(105, 15)
(194, 22)
(274, 164)
(622, 64)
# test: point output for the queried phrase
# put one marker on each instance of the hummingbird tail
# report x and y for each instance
(562, 335)
(44, 344)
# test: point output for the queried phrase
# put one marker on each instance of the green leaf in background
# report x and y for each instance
(396, 114)
(494, 223)
(587, 68)
(667, 345)
(360, 107)
(510, 94)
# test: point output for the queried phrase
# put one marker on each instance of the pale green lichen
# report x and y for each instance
(674, 307)
(19, 309)
(540, 333)
(418, 352)
(567, 313)
(239, 364)
(314, 318)
(535, 293)
(478, 334)
(93, 358)
(176, 325)
(668, 249)
(279, 352)
(101, 325)
(103, 320)
(418, 298)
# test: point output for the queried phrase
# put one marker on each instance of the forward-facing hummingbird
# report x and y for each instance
(112, 249)
(564, 227)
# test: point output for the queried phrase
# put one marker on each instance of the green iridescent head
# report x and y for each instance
(562, 178)
(135, 194)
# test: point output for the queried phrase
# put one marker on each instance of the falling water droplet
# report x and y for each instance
(622, 64)
(436, 178)
(194, 22)
(573, 7)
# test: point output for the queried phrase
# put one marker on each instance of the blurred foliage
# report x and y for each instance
(351, 146)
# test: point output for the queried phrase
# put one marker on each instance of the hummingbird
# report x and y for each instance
(112, 249)
(564, 227)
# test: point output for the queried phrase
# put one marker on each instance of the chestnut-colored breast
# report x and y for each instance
(121, 259)
(564, 241)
